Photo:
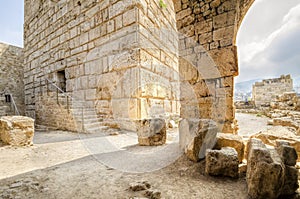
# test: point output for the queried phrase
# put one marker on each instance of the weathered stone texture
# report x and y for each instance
(196, 136)
(270, 137)
(229, 140)
(208, 58)
(152, 132)
(269, 174)
(120, 56)
(129, 53)
(267, 90)
(17, 130)
(222, 162)
(265, 172)
(11, 78)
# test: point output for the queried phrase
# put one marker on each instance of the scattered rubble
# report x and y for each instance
(270, 137)
(146, 187)
(139, 186)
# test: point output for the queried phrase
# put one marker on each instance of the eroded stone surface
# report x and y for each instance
(265, 171)
(152, 132)
(279, 133)
(17, 130)
(222, 162)
(269, 173)
(196, 136)
(230, 140)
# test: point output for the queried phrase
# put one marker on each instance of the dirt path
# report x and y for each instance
(250, 124)
(63, 165)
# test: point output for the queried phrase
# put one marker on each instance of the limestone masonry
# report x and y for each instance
(267, 90)
(130, 60)
(11, 79)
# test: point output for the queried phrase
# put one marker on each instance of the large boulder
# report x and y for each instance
(222, 162)
(265, 171)
(276, 133)
(152, 132)
(196, 136)
(17, 130)
(271, 172)
(231, 140)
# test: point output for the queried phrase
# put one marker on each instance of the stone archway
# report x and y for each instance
(213, 26)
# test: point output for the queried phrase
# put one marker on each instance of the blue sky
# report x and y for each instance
(11, 22)
(268, 40)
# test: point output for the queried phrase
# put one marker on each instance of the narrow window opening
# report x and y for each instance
(7, 98)
(61, 80)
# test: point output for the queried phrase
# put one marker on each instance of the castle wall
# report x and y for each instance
(267, 90)
(11, 79)
(126, 59)
(106, 51)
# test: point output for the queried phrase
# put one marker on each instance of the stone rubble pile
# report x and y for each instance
(271, 172)
(286, 101)
(270, 136)
(17, 130)
(145, 189)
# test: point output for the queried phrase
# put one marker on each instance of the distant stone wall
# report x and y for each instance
(11, 78)
(266, 91)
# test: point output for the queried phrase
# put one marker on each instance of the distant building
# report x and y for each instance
(263, 92)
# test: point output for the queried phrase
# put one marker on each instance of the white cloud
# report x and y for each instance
(276, 53)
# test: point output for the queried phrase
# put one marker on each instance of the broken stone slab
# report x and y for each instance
(270, 137)
(151, 132)
(287, 153)
(17, 130)
(196, 136)
(222, 162)
(231, 140)
(265, 171)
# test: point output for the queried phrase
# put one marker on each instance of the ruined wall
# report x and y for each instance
(267, 90)
(108, 55)
(125, 58)
(208, 57)
(11, 78)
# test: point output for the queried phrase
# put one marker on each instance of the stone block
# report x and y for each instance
(196, 136)
(287, 153)
(17, 130)
(222, 162)
(265, 171)
(290, 181)
(230, 140)
(151, 132)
